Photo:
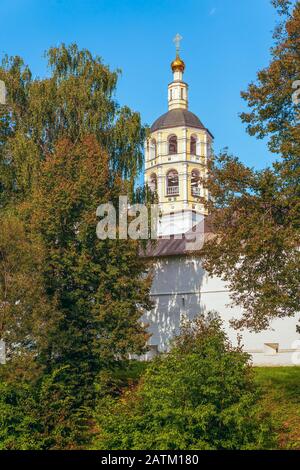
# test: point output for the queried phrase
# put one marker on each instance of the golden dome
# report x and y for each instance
(178, 64)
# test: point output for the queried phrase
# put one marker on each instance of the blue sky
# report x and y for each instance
(225, 43)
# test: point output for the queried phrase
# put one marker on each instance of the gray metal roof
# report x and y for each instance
(177, 118)
(188, 244)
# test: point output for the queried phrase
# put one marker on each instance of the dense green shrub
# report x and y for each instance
(18, 424)
(42, 415)
(199, 396)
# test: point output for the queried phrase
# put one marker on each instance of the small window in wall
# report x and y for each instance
(271, 349)
(181, 93)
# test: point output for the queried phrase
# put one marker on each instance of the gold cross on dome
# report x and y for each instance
(177, 40)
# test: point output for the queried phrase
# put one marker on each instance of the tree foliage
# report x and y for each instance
(42, 415)
(256, 214)
(76, 100)
(97, 284)
(27, 316)
(69, 303)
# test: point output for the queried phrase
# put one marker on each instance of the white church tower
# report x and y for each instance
(177, 152)
(176, 155)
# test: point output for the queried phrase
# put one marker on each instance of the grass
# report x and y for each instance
(281, 397)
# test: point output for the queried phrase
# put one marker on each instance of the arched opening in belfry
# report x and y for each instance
(193, 145)
(153, 149)
(172, 183)
(172, 144)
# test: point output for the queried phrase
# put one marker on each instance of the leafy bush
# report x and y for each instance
(200, 395)
(18, 424)
(41, 416)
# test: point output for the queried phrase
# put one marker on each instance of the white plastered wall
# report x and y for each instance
(181, 288)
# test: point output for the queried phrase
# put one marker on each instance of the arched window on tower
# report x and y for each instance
(153, 182)
(172, 141)
(193, 145)
(195, 183)
(152, 149)
(172, 183)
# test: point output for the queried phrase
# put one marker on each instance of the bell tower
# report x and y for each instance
(176, 156)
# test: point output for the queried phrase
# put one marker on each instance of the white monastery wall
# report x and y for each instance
(182, 289)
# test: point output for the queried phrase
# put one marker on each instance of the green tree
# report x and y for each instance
(200, 395)
(66, 146)
(97, 285)
(76, 100)
(256, 214)
(27, 316)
